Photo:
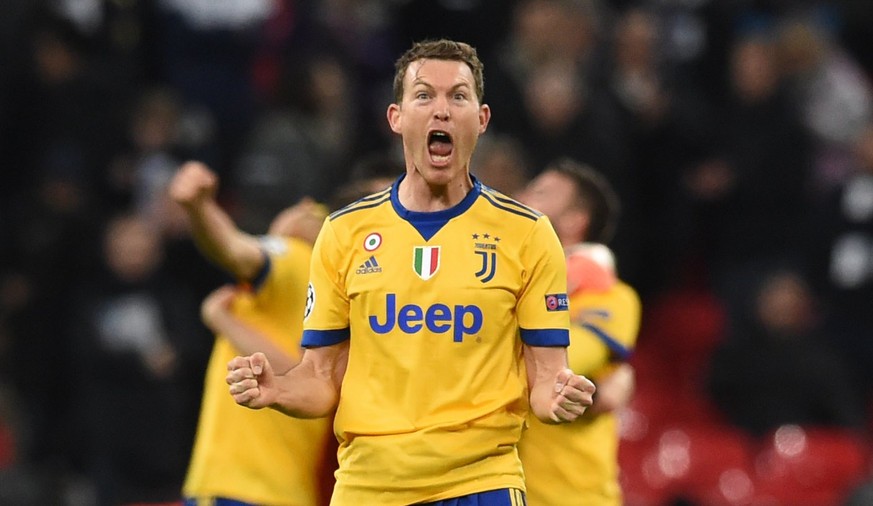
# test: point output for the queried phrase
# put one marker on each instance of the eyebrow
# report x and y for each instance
(420, 81)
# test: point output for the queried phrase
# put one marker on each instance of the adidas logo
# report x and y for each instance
(369, 267)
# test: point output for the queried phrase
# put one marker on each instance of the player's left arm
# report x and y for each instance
(557, 395)
(216, 313)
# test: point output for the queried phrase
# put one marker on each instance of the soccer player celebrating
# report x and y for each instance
(242, 457)
(580, 460)
(437, 315)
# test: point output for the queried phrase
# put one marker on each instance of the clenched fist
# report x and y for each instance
(193, 183)
(573, 394)
(252, 381)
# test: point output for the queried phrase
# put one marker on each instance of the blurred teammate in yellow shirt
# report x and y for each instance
(242, 457)
(577, 463)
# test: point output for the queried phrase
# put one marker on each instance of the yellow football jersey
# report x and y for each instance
(261, 457)
(436, 307)
(577, 463)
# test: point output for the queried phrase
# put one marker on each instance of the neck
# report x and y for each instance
(418, 194)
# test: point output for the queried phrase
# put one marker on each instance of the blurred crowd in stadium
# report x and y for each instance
(738, 134)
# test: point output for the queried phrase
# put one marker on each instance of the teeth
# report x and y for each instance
(439, 159)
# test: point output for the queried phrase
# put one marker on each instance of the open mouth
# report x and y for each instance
(440, 146)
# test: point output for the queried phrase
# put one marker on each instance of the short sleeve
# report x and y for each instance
(543, 314)
(613, 317)
(326, 318)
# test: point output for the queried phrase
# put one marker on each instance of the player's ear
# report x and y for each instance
(394, 118)
(484, 118)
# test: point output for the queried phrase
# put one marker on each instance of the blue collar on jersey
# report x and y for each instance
(428, 224)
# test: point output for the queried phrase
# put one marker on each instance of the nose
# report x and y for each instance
(441, 110)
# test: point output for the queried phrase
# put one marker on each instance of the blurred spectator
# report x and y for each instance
(301, 146)
(750, 194)
(546, 83)
(843, 260)
(51, 249)
(69, 116)
(117, 33)
(781, 368)
(480, 23)
(161, 131)
(566, 118)
(278, 33)
(137, 175)
(206, 51)
(666, 116)
(697, 38)
(132, 336)
(540, 32)
(637, 77)
(834, 94)
(360, 32)
(362, 36)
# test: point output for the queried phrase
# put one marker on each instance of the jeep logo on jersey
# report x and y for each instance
(426, 261)
(438, 318)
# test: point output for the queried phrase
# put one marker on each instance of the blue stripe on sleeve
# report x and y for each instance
(316, 338)
(546, 337)
(617, 349)
(261, 276)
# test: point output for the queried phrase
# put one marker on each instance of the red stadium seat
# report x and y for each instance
(689, 322)
(641, 481)
(660, 405)
(810, 466)
(719, 463)
(705, 462)
(677, 337)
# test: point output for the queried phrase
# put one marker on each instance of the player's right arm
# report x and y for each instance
(308, 390)
(219, 239)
